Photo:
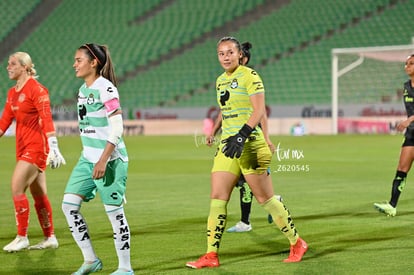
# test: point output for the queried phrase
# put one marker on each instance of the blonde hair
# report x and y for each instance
(25, 60)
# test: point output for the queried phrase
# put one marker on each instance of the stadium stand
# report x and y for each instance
(313, 64)
(53, 43)
(12, 13)
(164, 51)
(282, 33)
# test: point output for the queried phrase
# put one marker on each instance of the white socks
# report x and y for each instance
(77, 225)
(122, 235)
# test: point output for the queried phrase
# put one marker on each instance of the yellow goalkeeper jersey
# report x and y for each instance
(233, 97)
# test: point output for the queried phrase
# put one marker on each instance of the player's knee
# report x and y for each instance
(71, 203)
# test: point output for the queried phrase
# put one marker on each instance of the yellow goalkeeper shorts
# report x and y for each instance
(255, 158)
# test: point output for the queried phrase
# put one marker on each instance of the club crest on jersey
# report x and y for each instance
(234, 84)
(21, 97)
(90, 99)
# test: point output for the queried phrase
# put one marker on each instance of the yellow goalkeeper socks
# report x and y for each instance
(281, 217)
(215, 224)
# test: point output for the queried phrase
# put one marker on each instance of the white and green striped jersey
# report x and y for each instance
(93, 120)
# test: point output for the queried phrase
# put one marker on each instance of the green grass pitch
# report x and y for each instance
(329, 183)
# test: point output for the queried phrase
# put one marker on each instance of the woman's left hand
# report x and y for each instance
(99, 170)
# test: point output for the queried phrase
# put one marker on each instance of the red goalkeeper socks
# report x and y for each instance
(21, 207)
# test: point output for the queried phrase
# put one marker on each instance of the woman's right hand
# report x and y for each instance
(210, 140)
(403, 125)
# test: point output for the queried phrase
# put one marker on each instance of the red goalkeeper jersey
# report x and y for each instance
(30, 107)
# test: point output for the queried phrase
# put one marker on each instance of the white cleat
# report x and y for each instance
(240, 227)
(50, 242)
(18, 244)
(386, 208)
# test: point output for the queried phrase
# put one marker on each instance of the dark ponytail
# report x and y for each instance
(105, 66)
(245, 47)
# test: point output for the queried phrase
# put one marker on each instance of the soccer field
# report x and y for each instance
(329, 183)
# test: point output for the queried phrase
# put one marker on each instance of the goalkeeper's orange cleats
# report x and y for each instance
(211, 259)
(207, 260)
(297, 251)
